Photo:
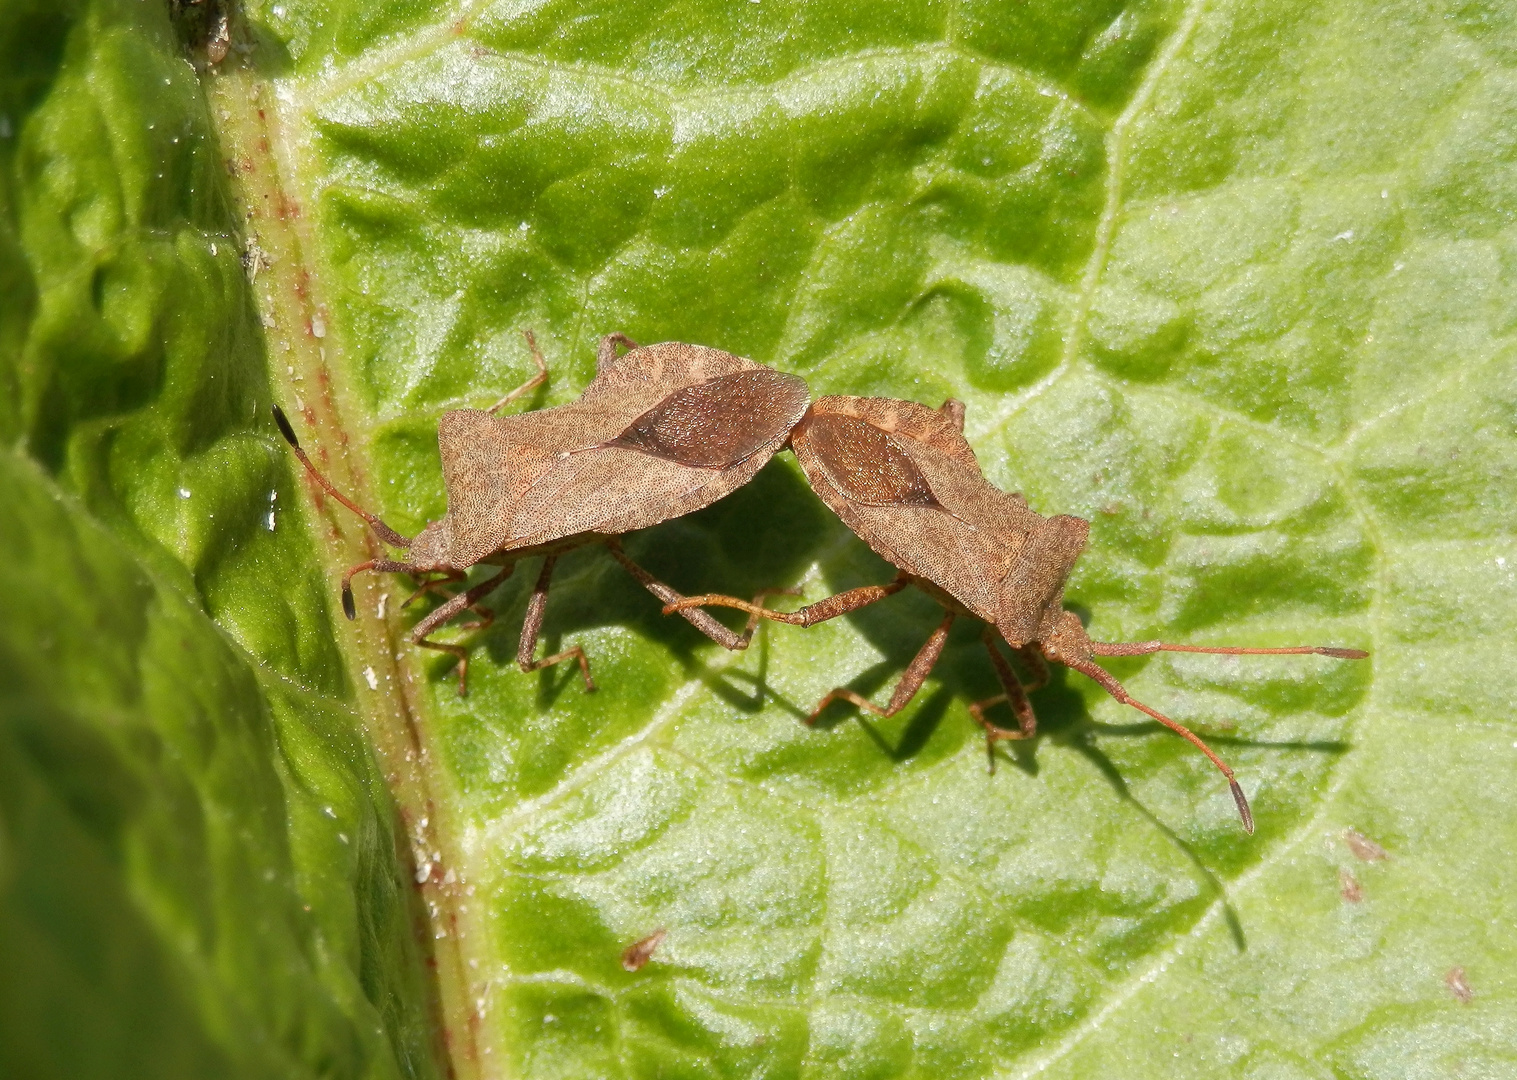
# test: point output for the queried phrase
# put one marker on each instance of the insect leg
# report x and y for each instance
(911, 680)
(1013, 693)
(1093, 670)
(758, 602)
(829, 608)
(673, 601)
(535, 381)
(605, 352)
(445, 611)
(447, 577)
(533, 623)
(484, 622)
(1036, 665)
(383, 566)
(383, 531)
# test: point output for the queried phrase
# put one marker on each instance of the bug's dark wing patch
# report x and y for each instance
(718, 423)
(865, 464)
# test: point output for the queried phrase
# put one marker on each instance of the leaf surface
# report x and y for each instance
(1232, 281)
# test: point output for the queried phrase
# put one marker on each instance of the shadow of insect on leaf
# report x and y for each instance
(1083, 746)
(905, 480)
(924, 721)
(961, 675)
(725, 684)
(749, 538)
(1148, 727)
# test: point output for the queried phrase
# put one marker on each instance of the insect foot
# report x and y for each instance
(903, 478)
(662, 431)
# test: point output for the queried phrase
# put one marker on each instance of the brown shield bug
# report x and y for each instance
(660, 432)
(903, 478)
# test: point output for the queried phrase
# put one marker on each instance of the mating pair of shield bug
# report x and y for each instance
(665, 430)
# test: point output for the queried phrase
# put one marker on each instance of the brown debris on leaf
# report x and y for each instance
(636, 955)
(1364, 849)
(1349, 887)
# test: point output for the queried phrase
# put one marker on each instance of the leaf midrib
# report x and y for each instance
(254, 126)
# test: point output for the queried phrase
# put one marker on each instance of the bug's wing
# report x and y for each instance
(1022, 558)
(492, 463)
(693, 447)
(914, 502)
(718, 423)
(910, 423)
(866, 464)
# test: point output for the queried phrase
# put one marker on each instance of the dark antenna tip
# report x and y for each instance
(284, 427)
(351, 611)
(1243, 810)
(1345, 654)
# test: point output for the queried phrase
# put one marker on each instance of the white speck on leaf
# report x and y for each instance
(370, 678)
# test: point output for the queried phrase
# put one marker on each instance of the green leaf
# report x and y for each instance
(1233, 281)
(201, 870)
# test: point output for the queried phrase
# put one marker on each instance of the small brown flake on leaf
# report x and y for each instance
(1458, 985)
(640, 952)
(1364, 849)
(1349, 887)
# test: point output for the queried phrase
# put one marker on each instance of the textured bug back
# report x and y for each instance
(661, 431)
(902, 476)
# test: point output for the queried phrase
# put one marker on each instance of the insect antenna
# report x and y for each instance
(385, 533)
(1144, 648)
(1095, 671)
(348, 607)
